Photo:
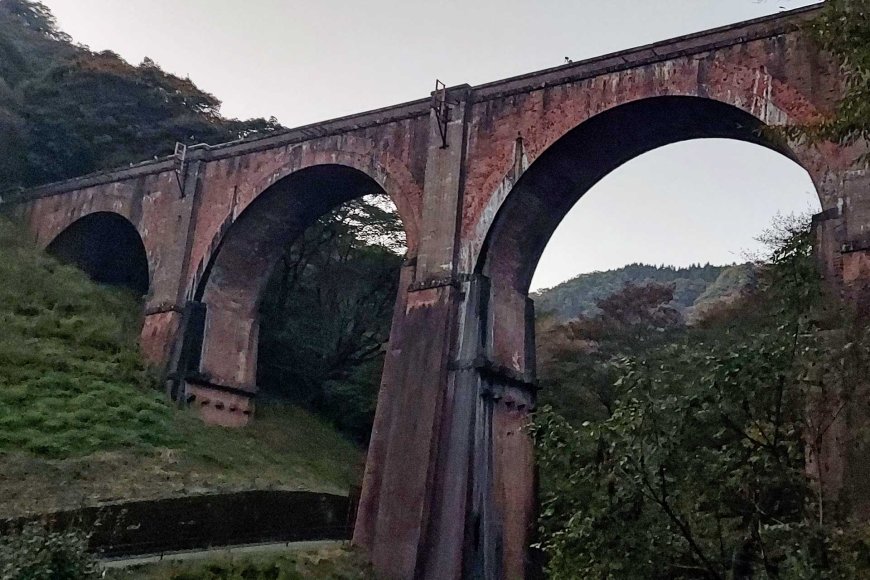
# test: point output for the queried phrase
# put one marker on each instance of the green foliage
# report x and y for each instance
(82, 421)
(578, 369)
(36, 554)
(71, 380)
(696, 465)
(843, 29)
(327, 311)
(284, 447)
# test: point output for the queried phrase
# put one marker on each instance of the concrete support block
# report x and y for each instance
(220, 406)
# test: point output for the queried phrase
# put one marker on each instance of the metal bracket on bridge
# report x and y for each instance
(442, 110)
(180, 155)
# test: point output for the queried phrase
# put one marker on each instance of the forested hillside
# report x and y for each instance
(695, 287)
(66, 110)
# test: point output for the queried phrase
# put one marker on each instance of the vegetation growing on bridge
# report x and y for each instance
(844, 30)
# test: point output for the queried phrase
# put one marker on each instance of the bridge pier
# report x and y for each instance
(220, 379)
(838, 463)
(448, 489)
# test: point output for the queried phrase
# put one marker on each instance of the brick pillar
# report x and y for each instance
(390, 391)
(449, 484)
(218, 369)
(399, 489)
(484, 494)
(509, 397)
(842, 238)
(223, 389)
(165, 302)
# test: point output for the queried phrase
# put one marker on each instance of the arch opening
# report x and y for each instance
(243, 261)
(108, 248)
(570, 167)
(239, 287)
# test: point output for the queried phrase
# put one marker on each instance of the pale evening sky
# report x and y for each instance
(305, 61)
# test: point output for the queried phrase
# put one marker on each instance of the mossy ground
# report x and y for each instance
(81, 420)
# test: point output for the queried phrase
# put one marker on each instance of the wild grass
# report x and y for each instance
(71, 379)
(81, 419)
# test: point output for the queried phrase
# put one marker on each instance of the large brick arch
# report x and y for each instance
(760, 79)
(513, 229)
(551, 185)
(232, 284)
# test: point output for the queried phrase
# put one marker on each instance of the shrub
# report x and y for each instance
(37, 554)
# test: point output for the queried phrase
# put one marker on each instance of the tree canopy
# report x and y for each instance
(66, 110)
(326, 316)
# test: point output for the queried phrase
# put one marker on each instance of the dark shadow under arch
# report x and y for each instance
(108, 248)
(555, 181)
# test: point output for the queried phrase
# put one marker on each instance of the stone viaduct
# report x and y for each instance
(481, 177)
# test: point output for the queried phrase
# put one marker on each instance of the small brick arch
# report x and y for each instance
(107, 247)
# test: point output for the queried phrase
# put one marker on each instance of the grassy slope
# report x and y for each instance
(81, 423)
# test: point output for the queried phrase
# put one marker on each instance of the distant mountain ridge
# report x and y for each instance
(695, 287)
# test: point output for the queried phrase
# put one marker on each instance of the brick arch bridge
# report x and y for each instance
(481, 180)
